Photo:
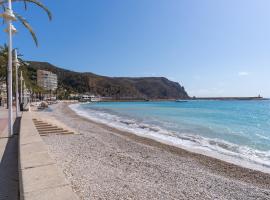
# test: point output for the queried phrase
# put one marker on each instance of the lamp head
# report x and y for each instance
(13, 29)
(8, 15)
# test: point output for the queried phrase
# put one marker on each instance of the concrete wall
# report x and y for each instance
(40, 178)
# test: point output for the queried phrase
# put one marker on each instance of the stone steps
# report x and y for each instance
(64, 133)
(59, 131)
(49, 128)
(45, 129)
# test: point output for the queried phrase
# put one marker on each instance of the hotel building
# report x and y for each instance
(47, 80)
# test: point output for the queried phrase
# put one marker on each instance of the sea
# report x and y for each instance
(236, 131)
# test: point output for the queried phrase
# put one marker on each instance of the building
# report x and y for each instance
(86, 98)
(47, 80)
(3, 88)
(3, 93)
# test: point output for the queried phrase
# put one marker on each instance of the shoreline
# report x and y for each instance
(183, 99)
(238, 161)
(212, 166)
(207, 159)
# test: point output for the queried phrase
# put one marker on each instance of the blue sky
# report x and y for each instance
(211, 47)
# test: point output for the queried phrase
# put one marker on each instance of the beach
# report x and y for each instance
(102, 162)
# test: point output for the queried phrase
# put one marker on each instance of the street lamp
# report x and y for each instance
(9, 17)
(24, 95)
(8, 14)
(21, 79)
(17, 64)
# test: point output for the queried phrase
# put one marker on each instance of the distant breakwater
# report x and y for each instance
(229, 98)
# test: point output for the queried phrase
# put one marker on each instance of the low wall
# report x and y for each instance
(39, 177)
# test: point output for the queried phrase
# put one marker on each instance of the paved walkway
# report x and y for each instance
(3, 124)
(3, 120)
(9, 179)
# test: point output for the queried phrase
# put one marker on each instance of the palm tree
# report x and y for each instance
(22, 19)
(3, 64)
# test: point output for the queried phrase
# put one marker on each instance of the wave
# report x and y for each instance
(263, 137)
(233, 153)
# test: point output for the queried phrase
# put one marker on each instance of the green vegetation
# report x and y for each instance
(28, 74)
(3, 62)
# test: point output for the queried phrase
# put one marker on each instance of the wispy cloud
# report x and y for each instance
(243, 73)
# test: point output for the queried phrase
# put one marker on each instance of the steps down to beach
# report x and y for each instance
(45, 128)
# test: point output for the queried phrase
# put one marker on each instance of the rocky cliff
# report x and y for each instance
(115, 87)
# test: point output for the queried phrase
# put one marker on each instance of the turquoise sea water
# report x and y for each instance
(234, 129)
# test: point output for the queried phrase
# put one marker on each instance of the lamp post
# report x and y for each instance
(16, 62)
(21, 78)
(24, 96)
(9, 17)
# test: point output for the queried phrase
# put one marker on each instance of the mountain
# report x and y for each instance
(115, 87)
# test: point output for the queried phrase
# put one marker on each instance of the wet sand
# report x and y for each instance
(105, 163)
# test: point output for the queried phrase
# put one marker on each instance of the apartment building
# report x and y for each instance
(47, 80)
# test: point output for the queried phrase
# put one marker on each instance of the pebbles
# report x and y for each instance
(103, 163)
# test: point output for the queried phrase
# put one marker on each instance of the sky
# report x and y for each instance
(211, 47)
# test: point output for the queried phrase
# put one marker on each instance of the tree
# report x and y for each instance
(3, 63)
(22, 19)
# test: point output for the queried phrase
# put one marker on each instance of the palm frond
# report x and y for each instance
(25, 4)
(28, 27)
(36, 2)
(4, 8)
(23, 20)
(39, 4)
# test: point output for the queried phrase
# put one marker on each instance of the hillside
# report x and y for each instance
(116, 87)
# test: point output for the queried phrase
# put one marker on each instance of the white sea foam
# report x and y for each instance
(263, 137)
(240, 155)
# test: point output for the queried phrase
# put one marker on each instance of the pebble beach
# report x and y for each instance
(102, 162)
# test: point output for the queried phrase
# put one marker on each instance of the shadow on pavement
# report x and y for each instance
(9, 176)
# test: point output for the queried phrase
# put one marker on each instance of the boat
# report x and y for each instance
(180, 101)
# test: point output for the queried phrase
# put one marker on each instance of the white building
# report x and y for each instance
(47, 80)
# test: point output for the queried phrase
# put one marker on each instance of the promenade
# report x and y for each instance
(9, 180)
(27, 172)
